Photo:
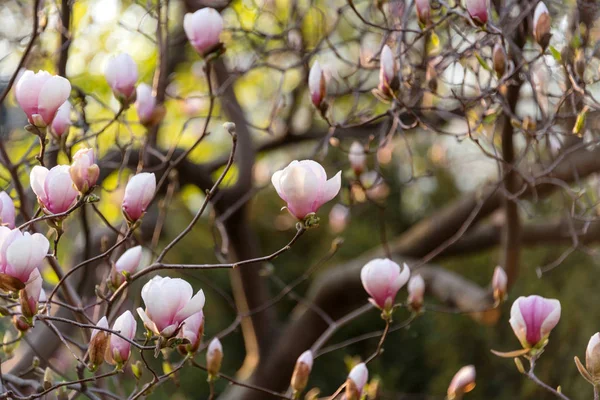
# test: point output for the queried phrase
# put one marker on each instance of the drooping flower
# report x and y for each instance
(533, 318)
(40, 95)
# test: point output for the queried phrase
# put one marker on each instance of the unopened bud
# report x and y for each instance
(423, 11)
(499, 59)
(579, 63)
(48, 378)
(499, 284)
(592, 358)
(541, 25)
(214, 357)
(357, 379)
(357, 157)
(98, 345)
(416, 291)
(317, 85)
(463, 382)
(301, 372)
(136, 369)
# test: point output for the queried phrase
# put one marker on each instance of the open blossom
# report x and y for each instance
(7, 210)
(382, 278)
(169, 302)
(84, 170)
(98, 344)
(357, 157)
(40, 95)
(203, 29)
(541, 24)
(463, 382)
(478, 10)
(149, 113)
(121, 73)
(303, 185)
(138, 195)
(387, 71)
(533, 318)
(317, 85)
(192, 330)
(357, 379)
(214, 357)
(54, 188)
(30, 295)
(21, 253)
(62, 120)
(119, 348)
(302, 371)
(416, 291)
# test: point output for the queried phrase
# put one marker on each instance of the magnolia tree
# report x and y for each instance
(96, 301)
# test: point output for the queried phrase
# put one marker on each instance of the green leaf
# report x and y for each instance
(556, 54)
(483, 63)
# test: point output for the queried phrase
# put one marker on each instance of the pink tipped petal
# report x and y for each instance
(58, 186)
(37, 177)
(331, 188)
(53, 94)
(193, 306)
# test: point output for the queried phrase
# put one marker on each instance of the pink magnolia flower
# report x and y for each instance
(382, 278)
(21, 253)
(416, 291)
(84, 171)
(148, 112)
(121, 73)
(499, 283)
(119, 348)
(7, 210)
(40, 95)
(130, 260)
(303, 185)
(357, 157)
(62, 120)
(168, 302)
(463, 382)
(387, 71)
(317, 85)
(478, 10)
(138, 195)
(423, 11)
(533, 318)
(541, 24)
(214, 357)
(302, 371)
(54, 188)
(357, 379)
(192, 330)
(203, 29)
(30, 296)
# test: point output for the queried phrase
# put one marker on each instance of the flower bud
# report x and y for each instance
(592, 358)
(98, 344)
(499, 59)
(416, 291)
(463, 382)
(192, 330)
(478, 10)
(214, 356)
(29, 297)
(62, 120)
(541, 25)
(7, 210)
(119, 349)
(388, 81)
(317, 85)
(357, 157)
(129, 261)
(203, 29)
(499, 284)
(423, 11)
(138, 195)
(533, 318)
(121, 73)
(382, 278)
(149, 113)
(357, 379)
(302, 371)
(338, 218)
(84, 171)
(579, 63)
(40, 95)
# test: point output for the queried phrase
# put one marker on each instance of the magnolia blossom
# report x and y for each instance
(121, 73)
(7, 210)
(382, 278)
(499, 283)
(303, 185)
(592, 357)
(84, 171)
(119, 348)
(533, 318)
(357, 157)
(357, 379)
(302, 371)
(62, 120)
(54, 188)
(192, 330)
(149, 113)
(31, 294)
(387, 71)
(541, 24)
(98, 344)
(129, 261)
(168, 303)
(478, 10)
(317, 85)
(214, 357)
(203, 29)
(416, 291)
(138, 195)
(463, 382)
(21, 253)
(423, 11)
(338, 218)
(40, 95)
